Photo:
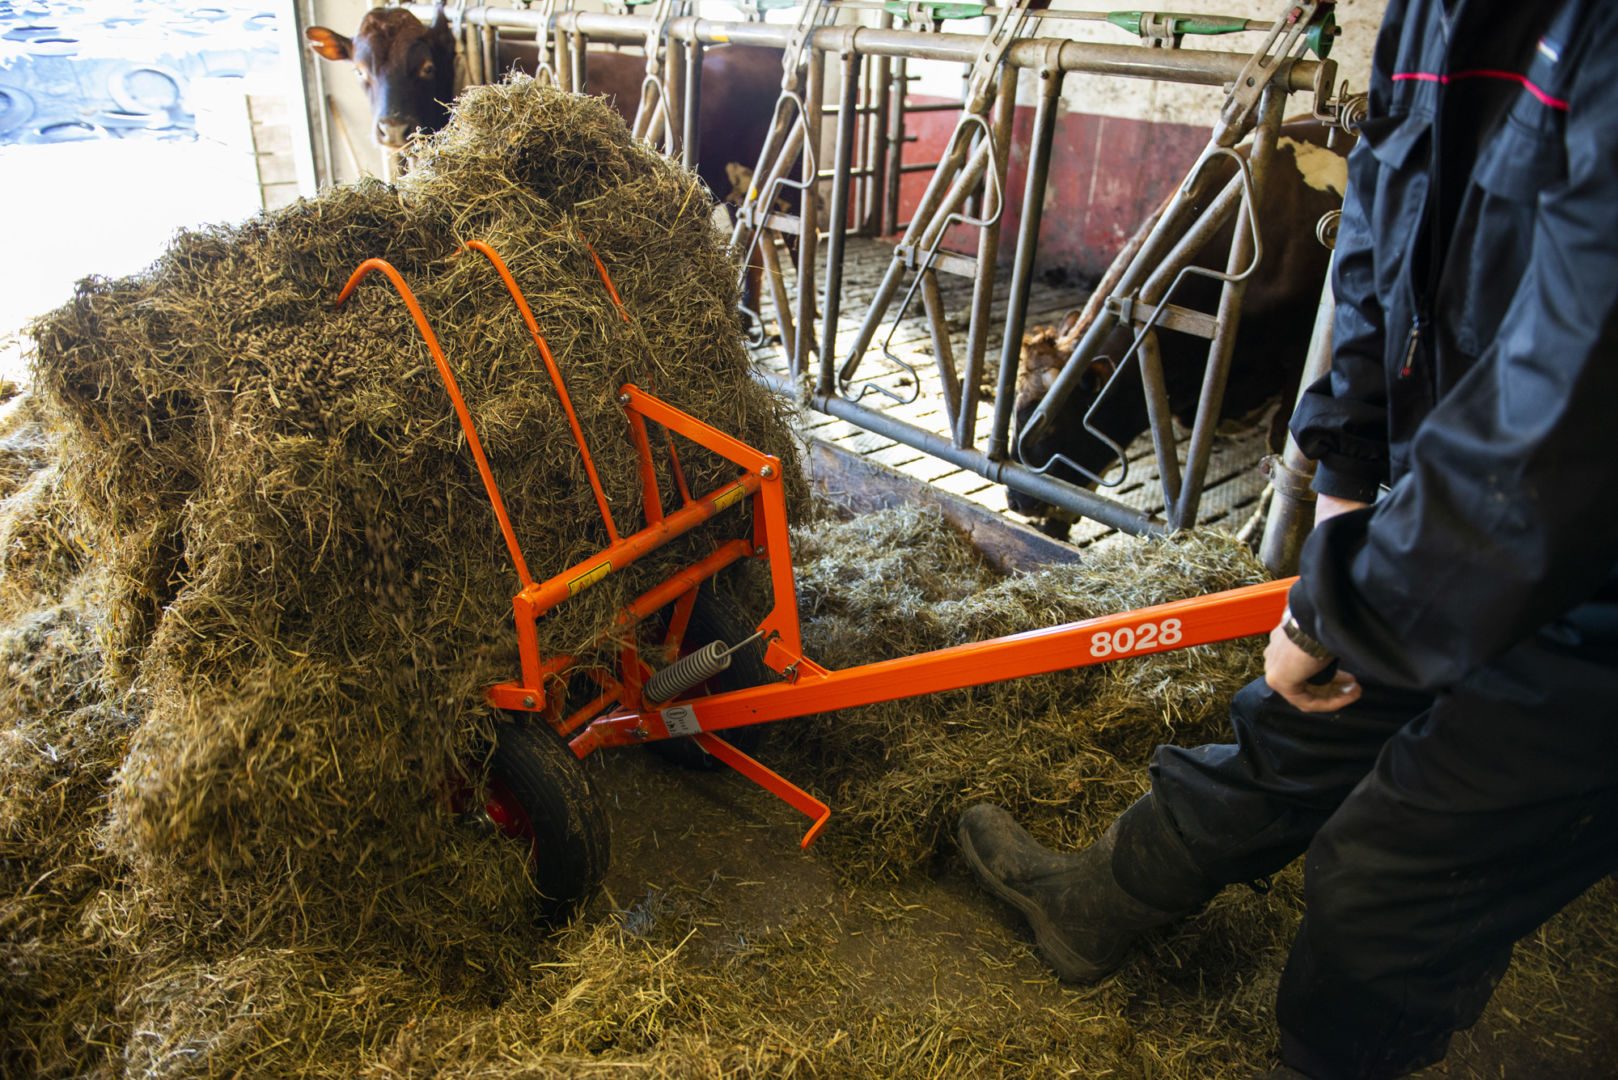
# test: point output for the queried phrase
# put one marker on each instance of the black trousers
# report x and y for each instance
(1436, 832)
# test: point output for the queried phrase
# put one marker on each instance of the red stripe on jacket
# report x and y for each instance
(1484, 73)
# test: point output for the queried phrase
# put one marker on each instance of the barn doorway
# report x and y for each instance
(124, 120)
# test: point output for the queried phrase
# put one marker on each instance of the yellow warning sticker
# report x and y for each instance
(729, 497)
(588, 578)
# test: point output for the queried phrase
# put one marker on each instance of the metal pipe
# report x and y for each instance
(325, 173)
(899, 91)
(982, 155)
(1022, 269)
(561, 59)
(471, 49)
(949, 380)
(674, 82)
(977, 333)
(1196, 66)
(1056, 492)
(876, 143)
(1148, 264)
(778, 296)
(1196, 237)
(838, 224)
(691, 136)
(809, 213)
(895, 272)
(1159, 418)
(1291, 516)
(578, 61)
(1184, 512)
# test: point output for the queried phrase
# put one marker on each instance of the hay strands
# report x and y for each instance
(639, 716)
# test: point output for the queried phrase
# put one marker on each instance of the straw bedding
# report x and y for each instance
(250, 590)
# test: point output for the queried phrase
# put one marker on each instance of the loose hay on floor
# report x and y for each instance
(246, 612)
(900, 582)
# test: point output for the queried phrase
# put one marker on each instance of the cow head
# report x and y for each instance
(407, 69)
(1044, 352)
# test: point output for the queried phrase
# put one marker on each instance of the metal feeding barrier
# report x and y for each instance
(967, 190)
(624, 701)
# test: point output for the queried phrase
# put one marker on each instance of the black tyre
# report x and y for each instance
(716, 618)
(538, 792)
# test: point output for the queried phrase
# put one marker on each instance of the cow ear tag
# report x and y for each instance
(329, 43)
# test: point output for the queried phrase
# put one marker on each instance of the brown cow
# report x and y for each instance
(1306, 180)
(407, 69)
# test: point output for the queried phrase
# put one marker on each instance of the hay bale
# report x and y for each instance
(24, 448)
(41, 549)
(60, 745)
(310, 590)
(303, 587)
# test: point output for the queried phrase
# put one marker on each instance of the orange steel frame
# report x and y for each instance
(619, 715)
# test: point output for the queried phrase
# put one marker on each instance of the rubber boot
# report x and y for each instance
(1086, 909)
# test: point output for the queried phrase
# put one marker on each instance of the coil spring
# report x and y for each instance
(1326, 229)
(688, 671)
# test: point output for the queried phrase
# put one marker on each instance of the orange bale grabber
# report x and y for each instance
(636, 705)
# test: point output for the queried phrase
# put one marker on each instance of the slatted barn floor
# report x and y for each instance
(1234, 484)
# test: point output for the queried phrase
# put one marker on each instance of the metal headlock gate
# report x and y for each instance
(967, 188)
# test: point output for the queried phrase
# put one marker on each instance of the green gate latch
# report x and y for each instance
(1157, 25)
(937, 10)
(1141, 23)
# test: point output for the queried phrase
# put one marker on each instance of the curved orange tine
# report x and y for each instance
(612, 291)
(361, 272)
(637, 426)
(557, 381)
(606, 279)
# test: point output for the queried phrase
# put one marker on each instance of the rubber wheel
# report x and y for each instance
(718, 619)
(538, 792)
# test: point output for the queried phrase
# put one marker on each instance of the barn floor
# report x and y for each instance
(1234, 484)
(708, 866)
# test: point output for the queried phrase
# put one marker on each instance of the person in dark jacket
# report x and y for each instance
(1461, 785)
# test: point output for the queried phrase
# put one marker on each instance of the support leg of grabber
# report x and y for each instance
(777, 785)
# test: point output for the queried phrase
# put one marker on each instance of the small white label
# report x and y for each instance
(681, 720)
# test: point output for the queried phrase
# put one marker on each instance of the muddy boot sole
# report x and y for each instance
(1068, 965)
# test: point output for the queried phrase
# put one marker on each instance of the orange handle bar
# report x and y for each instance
(1199, 621)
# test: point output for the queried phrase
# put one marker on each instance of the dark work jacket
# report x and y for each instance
(1475, 365)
